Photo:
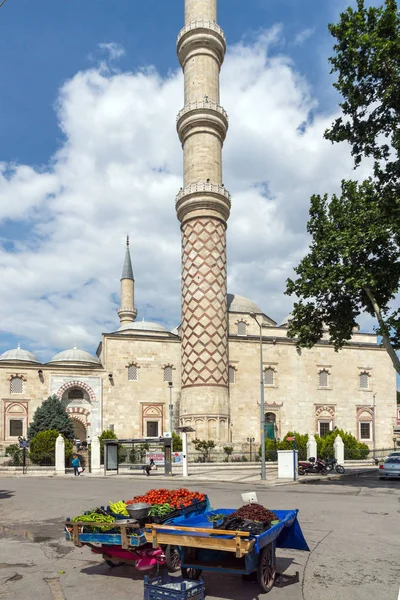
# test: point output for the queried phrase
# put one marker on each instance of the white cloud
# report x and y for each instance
(118, 171)
(303, 36)
(113, 50)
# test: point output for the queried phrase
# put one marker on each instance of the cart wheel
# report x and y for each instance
(301, 471)
(172, 559)
(266, 568)
(191, 573)
(112, 564)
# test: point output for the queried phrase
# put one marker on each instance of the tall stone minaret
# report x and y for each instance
(203, 206)
(127, 311)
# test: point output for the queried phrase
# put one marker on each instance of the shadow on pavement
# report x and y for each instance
(6, 494)
(224, 586)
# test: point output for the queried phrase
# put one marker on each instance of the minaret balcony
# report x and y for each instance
(203, 199)
(202, 116)
(201, 37)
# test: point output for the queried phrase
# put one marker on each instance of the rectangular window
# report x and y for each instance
(152, 429)
(132, 373)
(323, 380)
(324, 427)
(269, 376)
(231, 375)
(16, 427)
(365, 430)
(16, 385)
(364, 381)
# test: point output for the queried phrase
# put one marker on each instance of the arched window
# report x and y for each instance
(269, 376)
(364, 381)
(241, 328)
(75, 394)
(323, 379)
(168, 374)
(232, 375)
(132, 373)
(16, 385)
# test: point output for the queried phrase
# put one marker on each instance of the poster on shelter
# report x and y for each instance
(177, 458)
(158, 457)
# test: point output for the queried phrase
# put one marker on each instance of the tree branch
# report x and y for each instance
(383, 330)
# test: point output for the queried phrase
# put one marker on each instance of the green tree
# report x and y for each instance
(107, 434)
(398, 397)
(354, 260)
(176, 442)
(51, 415)
(15, 452)
(228, 452)
(204, 447)
(42, 447)
(353, 449)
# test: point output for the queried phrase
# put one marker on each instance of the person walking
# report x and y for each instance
(76, 463)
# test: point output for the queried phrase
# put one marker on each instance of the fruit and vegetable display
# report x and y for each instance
(175, 498)
(96, 516)
(254, 512)
(119, 508)
(253, 518)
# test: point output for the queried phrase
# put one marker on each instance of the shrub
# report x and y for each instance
(176, 442)
(107, 434)
(43, 447)
(51, 416)
(16, 455)
(204, 447)
(353, 449)
(228, 451)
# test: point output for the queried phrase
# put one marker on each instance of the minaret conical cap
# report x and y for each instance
(127, 271)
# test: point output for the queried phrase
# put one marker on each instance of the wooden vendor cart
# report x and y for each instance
(202, 547)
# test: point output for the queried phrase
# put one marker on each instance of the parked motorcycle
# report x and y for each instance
(312, 466)
(332, 464)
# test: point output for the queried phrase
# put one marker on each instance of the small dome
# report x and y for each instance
(19, 354)
(143, 326)
(75, 355)
(240, 304)
(286, 321)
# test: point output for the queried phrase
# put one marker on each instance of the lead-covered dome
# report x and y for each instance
(75, 355)
(19, 354)
(240, 304)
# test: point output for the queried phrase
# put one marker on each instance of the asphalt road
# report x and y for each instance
(352, 528)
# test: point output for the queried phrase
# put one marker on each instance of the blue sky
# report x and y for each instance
(44, 43)
(88, 152)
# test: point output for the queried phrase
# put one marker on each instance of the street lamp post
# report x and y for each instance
(251, 440)
(374, 425)
(262, 403)
(171, 412)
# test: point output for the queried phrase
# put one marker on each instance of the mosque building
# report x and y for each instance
(208, 368)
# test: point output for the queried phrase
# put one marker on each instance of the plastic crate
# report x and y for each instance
(160, 588)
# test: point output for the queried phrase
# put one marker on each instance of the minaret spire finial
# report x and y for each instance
(127, 311)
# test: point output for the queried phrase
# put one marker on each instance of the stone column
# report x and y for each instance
(184, 454)
(203, 207)
(60, 455)
(311, 447)
(338, 448)
(95, 465)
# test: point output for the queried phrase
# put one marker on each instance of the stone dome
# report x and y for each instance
(240, 304)
(286, 321)
(19, 354)
(143, 326)
(75, 355)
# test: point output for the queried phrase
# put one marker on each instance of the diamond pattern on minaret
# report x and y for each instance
(204, 324)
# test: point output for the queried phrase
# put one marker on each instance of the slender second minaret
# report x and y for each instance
(127, 311)
(203, 206)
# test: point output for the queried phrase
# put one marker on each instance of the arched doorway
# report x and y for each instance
(269, 425)
(79, 429)
(77, 403)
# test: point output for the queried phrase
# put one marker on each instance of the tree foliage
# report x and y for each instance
(51, 415)
(353, 264)
(42, 448)
(107, 434)
(204, 447)
(176, 442)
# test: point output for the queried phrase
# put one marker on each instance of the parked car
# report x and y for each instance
(390, 468)
(392, 455)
